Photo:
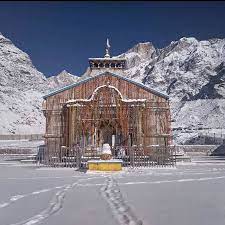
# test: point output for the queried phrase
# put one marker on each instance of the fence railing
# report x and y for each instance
(135, 156)
(64, 158)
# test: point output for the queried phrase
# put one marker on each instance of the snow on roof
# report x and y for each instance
(100, 87)
(106, 73)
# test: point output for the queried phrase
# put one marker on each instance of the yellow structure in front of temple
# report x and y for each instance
(105, 165)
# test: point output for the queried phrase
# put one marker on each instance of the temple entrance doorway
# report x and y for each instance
(109, 133)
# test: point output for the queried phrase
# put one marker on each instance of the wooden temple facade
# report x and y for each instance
(106, 108)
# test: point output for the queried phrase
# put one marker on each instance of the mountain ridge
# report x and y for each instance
(192, 72)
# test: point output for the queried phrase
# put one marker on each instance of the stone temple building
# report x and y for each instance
(106, 107)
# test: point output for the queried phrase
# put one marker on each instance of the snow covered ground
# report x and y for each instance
(192, 193)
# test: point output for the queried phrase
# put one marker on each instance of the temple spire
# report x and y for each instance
(107, 63)
(107, 55)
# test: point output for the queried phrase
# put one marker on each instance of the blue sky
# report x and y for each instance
(63, 35)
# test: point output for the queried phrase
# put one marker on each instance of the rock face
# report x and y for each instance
(181, 69)
(62, 79)
(139, 54)
(17, 70)
(192, 72)
(21, 89)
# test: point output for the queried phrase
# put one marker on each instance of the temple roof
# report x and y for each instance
(102, 74)
(103, 65)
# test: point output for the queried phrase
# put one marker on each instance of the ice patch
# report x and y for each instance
(4, 205)
(41, 191)
(16, 197)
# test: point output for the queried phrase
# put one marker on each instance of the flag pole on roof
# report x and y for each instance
(107, 55)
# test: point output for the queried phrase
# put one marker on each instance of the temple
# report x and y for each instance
(106, 107)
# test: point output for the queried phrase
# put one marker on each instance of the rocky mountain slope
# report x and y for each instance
(192, 72)
(21, 89)
(181, 69)
(62, 79)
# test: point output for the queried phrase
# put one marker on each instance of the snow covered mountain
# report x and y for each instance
(192, 72)
(21, 88)
(184, 69)
(62, 79)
